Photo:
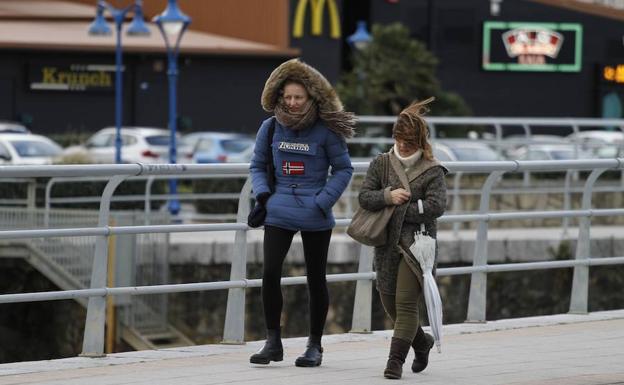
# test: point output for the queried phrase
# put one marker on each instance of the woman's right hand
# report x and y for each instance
(399, 196)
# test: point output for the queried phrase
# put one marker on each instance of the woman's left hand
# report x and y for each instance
(399, 196)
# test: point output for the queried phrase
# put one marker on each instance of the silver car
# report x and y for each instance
(463, 151)
(28, 149)
(138, 145)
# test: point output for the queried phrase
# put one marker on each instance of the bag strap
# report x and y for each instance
(386, 170)
(270, 168)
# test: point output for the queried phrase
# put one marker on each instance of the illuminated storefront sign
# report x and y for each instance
(543, 47)
(612, 73)
(74, 77)
(317, 8)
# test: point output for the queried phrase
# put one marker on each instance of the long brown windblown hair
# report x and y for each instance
(411, 127)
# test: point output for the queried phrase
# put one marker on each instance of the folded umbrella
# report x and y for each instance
(423, 250)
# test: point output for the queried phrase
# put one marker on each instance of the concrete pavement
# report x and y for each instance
(561, 349)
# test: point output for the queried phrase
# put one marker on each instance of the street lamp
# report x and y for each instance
(495, 7)
(100, 27)
(360, 38)
(172, 24)
(358, 41)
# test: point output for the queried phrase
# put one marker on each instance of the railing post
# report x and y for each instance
(349, 195)
(31, 194)
(234, 329)
(148, 199)
(478, 281)
(567, 195)
(499, 139)
(93, 342)
(575, 130)
(47, 203)
(31, 202)
(580, 282)
(362, 304)
(456, 201)
(526, 176)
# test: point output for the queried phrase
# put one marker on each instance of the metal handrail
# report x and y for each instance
(234, 328)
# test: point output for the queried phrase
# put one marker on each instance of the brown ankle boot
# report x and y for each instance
(398, 351)
(422, 344)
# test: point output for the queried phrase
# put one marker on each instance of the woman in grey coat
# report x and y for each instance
(413, 175)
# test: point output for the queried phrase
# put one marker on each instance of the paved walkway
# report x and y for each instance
(562, 349)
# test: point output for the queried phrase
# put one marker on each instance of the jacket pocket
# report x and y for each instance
(319, 206)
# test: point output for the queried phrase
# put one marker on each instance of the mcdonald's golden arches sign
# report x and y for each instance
(317, 8)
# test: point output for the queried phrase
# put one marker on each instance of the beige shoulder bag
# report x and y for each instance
(370, 227)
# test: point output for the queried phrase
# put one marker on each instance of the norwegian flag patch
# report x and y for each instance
(292, 168)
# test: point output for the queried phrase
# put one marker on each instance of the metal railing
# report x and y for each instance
(234, 324)
(455, 191)
(529, 125)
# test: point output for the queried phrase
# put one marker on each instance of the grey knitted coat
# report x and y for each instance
(425, 181)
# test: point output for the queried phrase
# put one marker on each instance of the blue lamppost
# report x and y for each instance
(172, 24)
(100, 27)
(358, 41)
(360, 38)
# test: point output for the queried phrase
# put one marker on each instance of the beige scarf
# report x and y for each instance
(340, 122)
(408, 161)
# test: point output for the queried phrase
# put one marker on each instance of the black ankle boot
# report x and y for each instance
(313, 355)
(398, 351)
(422, 344)
(272, 350)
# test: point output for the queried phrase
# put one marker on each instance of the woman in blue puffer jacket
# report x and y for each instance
(310, 128)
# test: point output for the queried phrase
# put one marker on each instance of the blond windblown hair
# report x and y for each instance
(411, 127)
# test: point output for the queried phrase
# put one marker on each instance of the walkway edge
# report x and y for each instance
(218, 349)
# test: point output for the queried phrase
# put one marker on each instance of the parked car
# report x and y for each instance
(593, 140)
(512, 143)
(241, 157)
(138, 144)
(13, 127)
(464, 151)
(610, 151)
(28, 149)
(219, 147)
(551, 152)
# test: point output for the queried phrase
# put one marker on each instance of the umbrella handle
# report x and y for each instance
(421, 210)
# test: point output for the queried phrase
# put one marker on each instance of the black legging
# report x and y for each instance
(277, 241)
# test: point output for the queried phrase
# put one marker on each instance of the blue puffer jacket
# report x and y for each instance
(303, 197)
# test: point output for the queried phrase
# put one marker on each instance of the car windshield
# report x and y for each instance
(236, 145)
(158, 140)
(562, 154)
(32, 148)
(474, 154)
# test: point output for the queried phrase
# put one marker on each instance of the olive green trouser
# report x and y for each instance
(402, 308)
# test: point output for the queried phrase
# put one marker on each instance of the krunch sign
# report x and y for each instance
(73, 77)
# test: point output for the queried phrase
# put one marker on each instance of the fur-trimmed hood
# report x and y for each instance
(330, 107)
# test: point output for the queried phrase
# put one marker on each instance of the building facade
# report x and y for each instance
(577, 77)
(55, 78)
(579, 72)
(497, 61)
